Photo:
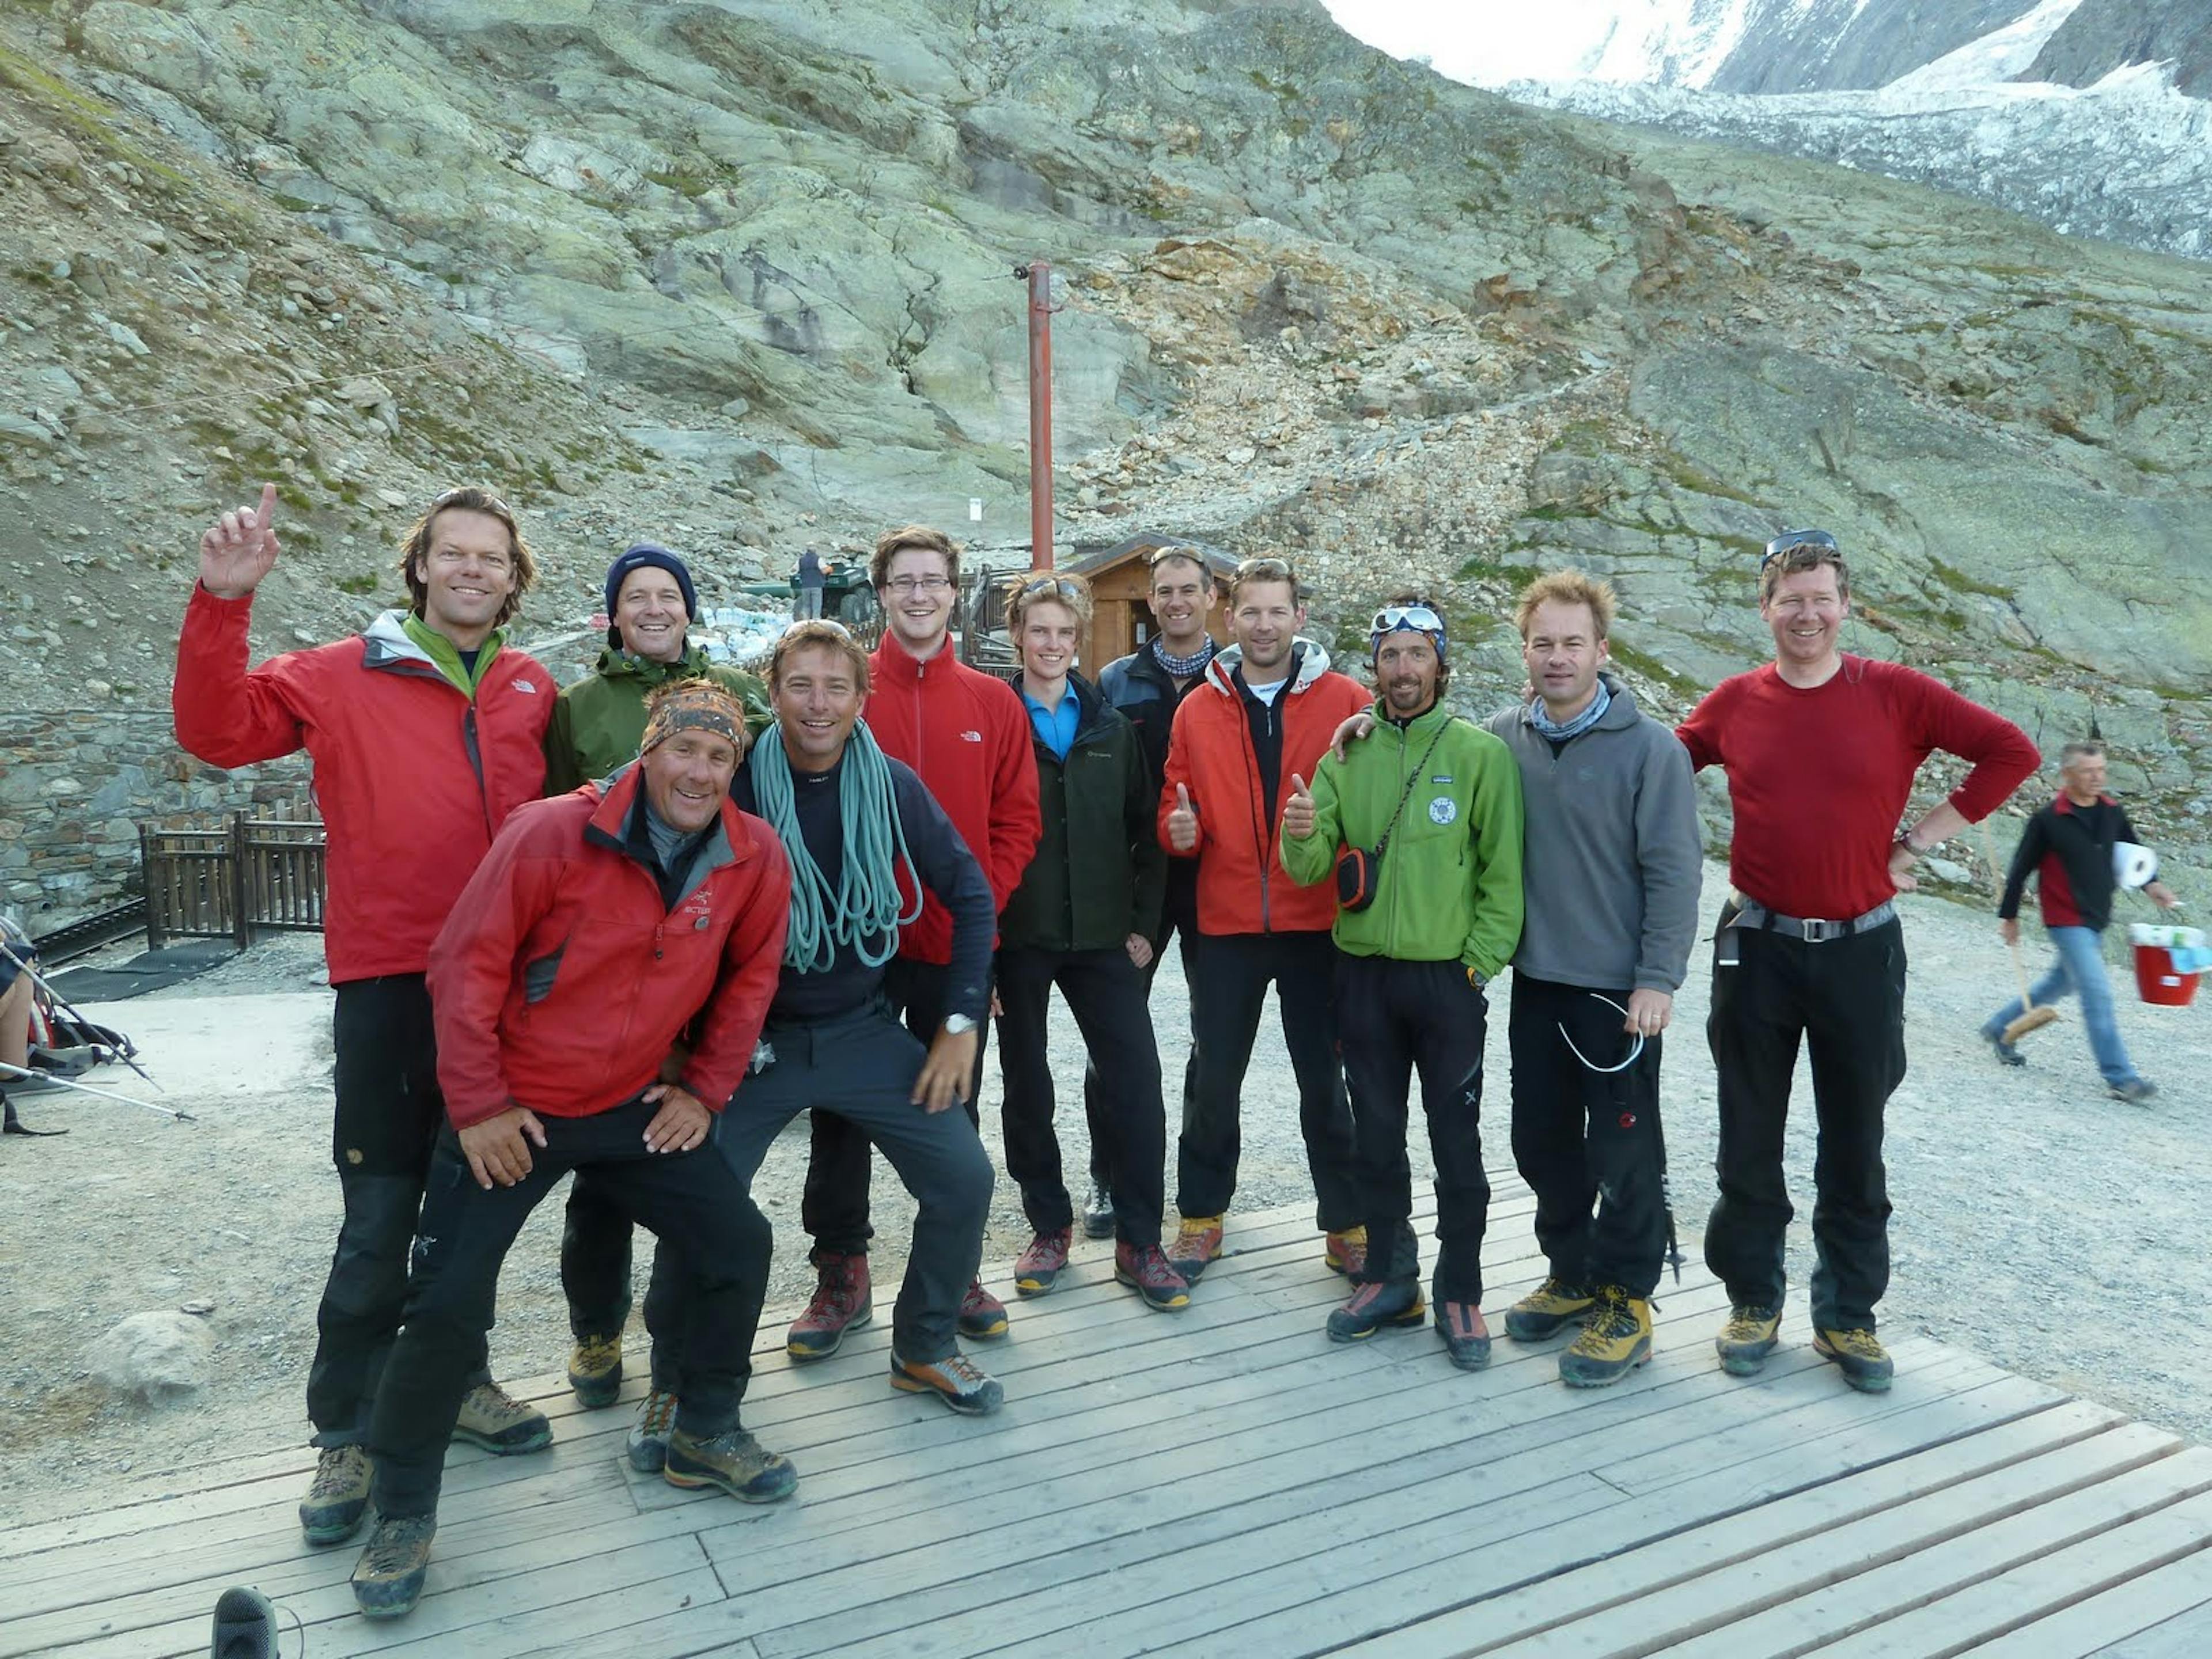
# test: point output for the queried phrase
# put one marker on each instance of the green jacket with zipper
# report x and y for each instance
(597, 721)
(1098, 872)
(1449, 884)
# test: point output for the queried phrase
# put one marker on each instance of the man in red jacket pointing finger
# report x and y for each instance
(601, 926)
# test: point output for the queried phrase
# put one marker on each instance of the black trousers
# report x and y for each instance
(1589, 1143)
(867, 1064)
(834, 1208)
(1846, 999)
(389, 1113)
(1105, 991)
(1394, 1019)
(707, 1223)
(1236, 969)
(1093, 1091)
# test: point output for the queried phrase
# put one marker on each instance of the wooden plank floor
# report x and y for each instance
(1226, 1481)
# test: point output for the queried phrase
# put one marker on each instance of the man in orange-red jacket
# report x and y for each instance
(967, 737)
(426, 730)
(1241, 743)
(599, 927)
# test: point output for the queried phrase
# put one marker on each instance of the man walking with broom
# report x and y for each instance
(2067, 848)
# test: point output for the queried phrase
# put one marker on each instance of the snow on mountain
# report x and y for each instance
(2002, 54)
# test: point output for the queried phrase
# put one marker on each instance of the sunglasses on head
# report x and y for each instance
(1060, 584)
(1419, 618)
(1792, 541)
(828, 623)
(1273, 570)
(471, 497)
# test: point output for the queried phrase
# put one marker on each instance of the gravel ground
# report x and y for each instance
(2039, 1223)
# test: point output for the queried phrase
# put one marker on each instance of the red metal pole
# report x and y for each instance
(1040, 275)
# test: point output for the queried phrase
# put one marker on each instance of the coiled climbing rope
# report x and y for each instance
(865, 911)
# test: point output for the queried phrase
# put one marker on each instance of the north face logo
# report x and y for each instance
(971, 736)
(522, 685)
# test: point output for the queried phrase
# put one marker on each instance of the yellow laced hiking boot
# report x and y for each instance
(1859, 1355)
(595, 1370)
(1547, 1310)
(1197, 1242)
(1614, 1340)
(1747, 1338)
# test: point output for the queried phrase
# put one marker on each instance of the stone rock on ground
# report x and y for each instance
(159, 1356)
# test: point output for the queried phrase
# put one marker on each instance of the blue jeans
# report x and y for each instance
(2080, 968)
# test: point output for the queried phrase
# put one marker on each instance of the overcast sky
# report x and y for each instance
(1485, 41)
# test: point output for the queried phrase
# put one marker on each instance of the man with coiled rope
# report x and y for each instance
(851, 816)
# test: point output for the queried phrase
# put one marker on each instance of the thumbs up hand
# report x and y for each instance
(1182, 822)
(1298, 810)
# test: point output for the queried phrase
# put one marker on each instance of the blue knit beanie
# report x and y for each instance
(652, 553)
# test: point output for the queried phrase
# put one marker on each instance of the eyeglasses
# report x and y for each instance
(1419, 618)
(917, 583)
(1792, 541)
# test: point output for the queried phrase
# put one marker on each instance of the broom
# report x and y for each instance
(2031, 1018)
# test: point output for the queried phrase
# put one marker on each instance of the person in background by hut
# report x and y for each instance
(806, 601)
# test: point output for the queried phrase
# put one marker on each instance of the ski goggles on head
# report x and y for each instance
(1405, 619)
(1793, 541)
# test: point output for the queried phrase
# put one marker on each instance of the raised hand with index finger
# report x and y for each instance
(237, 549)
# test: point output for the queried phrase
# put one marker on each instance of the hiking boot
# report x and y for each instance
(957, 1380)
(732, 1461)
(2006, 1053)
(1466, 1338)
(595, 1370)
(1372, 1308)
(840, 1303)
(647, 1444)
(982, 1316)
(1747, 1338)
(1197, 1242)
(1098, 1211)
(338, 1495)
(1547, 1310)
(1859, 1355)
(387, 1580)
(1036, 1269)
(2134, 1089)
(501, 1424)
(1346, 1252)
(1145, 1268)
(244, 1626)
(1615, 1339)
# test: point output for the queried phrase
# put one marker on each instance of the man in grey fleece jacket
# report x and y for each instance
(1610, 873)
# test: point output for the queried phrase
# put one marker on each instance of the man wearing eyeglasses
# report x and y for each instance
(1146, 688)
(426, 731)
(965, 733)
(1268, 705)
(1614, 860)
(1821, 750)
(1422, 824)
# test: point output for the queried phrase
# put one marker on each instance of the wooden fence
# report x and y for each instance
(224, 884)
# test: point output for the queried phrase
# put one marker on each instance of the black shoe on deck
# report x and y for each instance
(1395, 1305)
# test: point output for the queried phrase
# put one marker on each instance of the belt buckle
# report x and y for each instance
(1818, 931)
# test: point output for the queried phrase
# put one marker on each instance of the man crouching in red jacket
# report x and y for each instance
(601, 926)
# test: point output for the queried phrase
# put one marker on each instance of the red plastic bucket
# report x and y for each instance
(2159, 982)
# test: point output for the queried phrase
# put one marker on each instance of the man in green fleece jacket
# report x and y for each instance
(595, 731)
(1434, 803)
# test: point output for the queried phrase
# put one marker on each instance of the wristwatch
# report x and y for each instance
(958, 1025)
(1904, 840)
(1476, 979)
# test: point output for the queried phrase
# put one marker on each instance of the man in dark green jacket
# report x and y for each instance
(597, 721)
(596, 726)
(1083, 919)
(1433, 803)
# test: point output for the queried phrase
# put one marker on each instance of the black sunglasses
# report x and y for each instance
(1791, 541)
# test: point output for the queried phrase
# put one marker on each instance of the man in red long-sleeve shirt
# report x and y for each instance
(1822, 749)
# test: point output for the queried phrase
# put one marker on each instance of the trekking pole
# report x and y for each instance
(123, 1050)
(28, 1075)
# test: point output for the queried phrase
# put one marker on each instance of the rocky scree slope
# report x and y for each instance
(741, 276)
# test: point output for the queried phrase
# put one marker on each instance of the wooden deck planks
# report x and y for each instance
(1227, 1480)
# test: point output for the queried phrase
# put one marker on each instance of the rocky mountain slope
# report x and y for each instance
(2104, 35)
(740, 275)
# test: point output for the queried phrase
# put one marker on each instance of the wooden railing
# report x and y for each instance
(219, 883)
